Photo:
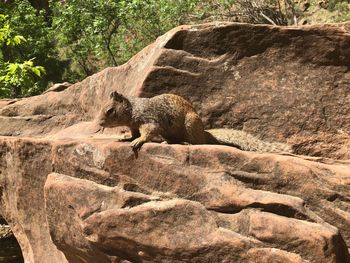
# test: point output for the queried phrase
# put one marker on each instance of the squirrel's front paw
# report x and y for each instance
(137, 143)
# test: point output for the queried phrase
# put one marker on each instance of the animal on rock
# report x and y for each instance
(176, 121)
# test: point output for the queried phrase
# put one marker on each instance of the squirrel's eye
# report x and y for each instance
(110, 111)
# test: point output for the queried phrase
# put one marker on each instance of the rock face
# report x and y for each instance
(73, 195)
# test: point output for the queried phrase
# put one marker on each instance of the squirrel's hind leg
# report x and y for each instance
(194, 129)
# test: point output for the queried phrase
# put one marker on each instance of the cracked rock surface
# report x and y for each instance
(71, 194)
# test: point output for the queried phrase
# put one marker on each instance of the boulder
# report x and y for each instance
(288, 84)
(73, 194)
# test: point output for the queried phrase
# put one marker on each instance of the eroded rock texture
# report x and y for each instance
(73, 195)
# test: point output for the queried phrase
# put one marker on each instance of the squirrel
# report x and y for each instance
(176, 121)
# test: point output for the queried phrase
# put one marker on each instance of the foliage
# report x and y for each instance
(39, 43)
(97, 34)
(343, 9)
(86, 32)
(19, 78)
(7, 36)
(276, 12)
(16, 79)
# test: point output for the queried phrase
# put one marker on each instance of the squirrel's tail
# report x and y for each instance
(244, 141)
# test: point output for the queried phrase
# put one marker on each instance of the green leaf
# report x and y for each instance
(12, 68)
(42, 69)
(3, 17)
(18, 39)
(28, 63)
(36, 71)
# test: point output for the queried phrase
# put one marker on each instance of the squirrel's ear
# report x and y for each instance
(116, 96)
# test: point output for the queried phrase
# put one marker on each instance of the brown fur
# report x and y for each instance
(173, 118)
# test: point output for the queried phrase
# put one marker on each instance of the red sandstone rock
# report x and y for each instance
(172, 203)
(278, 83)
(73, 195)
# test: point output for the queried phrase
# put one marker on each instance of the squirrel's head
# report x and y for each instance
(116, 112)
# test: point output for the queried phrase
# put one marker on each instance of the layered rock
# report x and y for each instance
(172, 203)
(277, 83)
(73, 195)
